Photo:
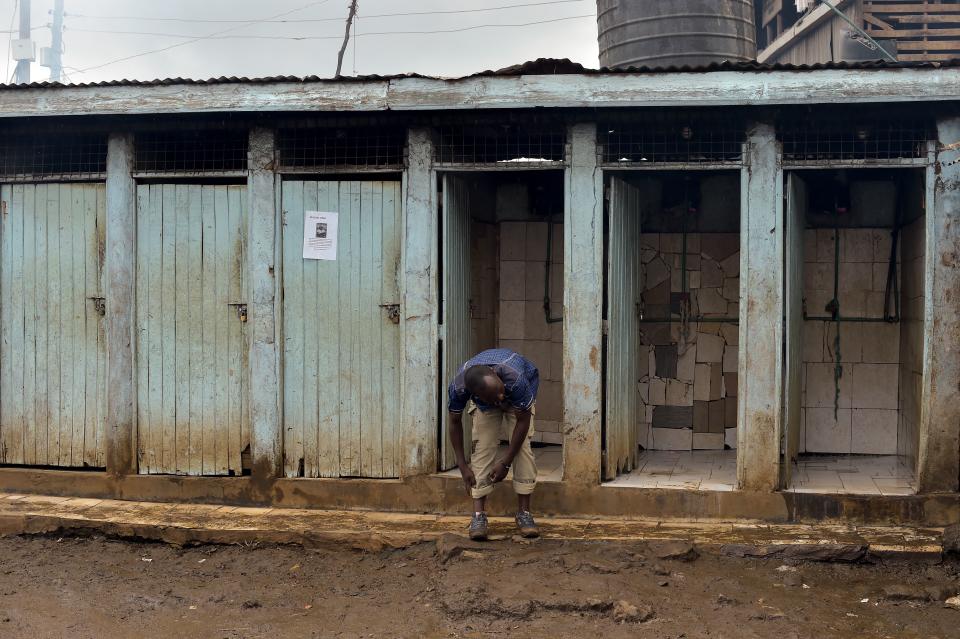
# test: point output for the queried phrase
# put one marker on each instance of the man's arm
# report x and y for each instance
(516, 443)
(456, 438)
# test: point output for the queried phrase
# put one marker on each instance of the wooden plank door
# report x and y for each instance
(457, 333)
(52, 348)
(191, 340)
(623, 329)
(794, 226)
(342, 324)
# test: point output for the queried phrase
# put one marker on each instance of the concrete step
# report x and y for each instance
(187, 524)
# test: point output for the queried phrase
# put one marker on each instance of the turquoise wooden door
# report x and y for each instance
(190, 333)
(52, 364)
(341, 333)
(457, 333)
(623, 329)
(794, 225)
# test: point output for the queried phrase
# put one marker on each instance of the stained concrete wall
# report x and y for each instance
(913, 252)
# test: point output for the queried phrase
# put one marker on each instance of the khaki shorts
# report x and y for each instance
(488, 429)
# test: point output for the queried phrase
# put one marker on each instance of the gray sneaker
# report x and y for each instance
(526, 524)
(479, 527)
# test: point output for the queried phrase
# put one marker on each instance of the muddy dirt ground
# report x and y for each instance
(91, 587)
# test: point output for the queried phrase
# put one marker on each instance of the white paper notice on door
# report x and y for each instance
(320, 236)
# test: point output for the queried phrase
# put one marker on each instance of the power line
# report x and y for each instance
(306, 20)
(335, 37)
(197, 39)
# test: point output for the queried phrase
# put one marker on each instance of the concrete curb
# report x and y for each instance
(184, 525)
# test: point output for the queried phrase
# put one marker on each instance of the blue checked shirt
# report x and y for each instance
(520, 378)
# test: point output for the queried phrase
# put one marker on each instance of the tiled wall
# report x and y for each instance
(911, 339)
(864, 420)
(688, 382)
(508, 257)
(523, 325)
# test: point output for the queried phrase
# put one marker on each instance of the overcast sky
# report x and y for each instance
(446, 54)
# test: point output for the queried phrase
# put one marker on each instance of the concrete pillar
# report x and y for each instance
(419, 381)
(120, 440)
(760, 390)
(938, 463)
(266, 445)
(582, 308)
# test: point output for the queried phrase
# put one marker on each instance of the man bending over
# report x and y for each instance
(498, 389)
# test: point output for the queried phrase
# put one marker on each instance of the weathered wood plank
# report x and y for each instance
(237, 354)
(29, 353)
(43, 321)
(101, 232)
(212, 315)
(390, 343)
(316, 339)
(81, 307)
(194, 282)
(293, 327)
(163, 199)
(91, 346)
(175, 205)
(369, 336)
(350, 381)
(829, 86)
(241, 290)
(146, 450)
(7, 415)
(329, 360)
(224, 416)
(55, 328)
(18, 318)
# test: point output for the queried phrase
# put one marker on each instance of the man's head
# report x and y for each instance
(485, 385)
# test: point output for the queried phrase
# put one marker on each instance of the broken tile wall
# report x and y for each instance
(913, 253)
(866, 395)
(688, 383)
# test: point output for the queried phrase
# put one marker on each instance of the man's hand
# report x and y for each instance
(499, 473)
(469, 479)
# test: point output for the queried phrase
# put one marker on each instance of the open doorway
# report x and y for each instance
(502, 256)
(689, 262)
(855, 286)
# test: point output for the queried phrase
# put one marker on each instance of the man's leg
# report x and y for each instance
(524, 476)
(486, 442)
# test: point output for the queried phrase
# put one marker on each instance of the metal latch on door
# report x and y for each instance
(393, 312)
(100, 304)
(241, 310)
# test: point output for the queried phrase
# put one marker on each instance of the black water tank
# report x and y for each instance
(663, 33)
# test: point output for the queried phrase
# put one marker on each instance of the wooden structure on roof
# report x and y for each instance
(917, 30)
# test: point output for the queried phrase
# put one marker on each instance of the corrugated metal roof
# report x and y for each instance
(542, 66)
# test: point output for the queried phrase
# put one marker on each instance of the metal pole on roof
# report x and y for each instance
(846, 19)
(23, 66)
(56, 47)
